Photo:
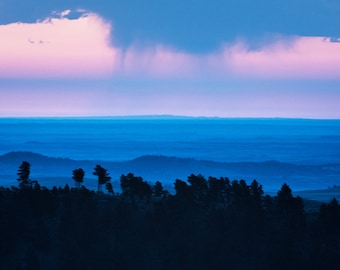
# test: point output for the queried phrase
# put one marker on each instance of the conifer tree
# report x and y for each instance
(157, 189)
(103, 176)
(109, 188)
(24, 174)
(78, 176)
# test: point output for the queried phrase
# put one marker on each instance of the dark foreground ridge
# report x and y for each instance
(208, 223)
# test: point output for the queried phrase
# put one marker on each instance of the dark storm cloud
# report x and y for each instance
(193, 25)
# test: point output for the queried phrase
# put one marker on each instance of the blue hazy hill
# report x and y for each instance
(51, 171)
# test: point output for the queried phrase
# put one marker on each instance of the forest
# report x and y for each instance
(208, 223)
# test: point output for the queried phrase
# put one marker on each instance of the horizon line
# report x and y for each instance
(162, 116)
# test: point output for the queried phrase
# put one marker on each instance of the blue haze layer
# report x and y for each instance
(229, 140)
(306, 152)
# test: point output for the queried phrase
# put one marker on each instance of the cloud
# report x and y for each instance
(159, 61)
(286, 58)
(335, 39)
(61, 47)
(58, 47)
(300, 58)
(64, 13)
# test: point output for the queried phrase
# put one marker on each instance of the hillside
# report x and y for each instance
(58, 171)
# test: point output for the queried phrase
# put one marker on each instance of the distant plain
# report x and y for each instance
(267, 143)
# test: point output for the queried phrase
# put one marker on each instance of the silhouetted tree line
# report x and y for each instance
(209, 223)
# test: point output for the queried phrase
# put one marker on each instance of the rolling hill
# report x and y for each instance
(51, 171)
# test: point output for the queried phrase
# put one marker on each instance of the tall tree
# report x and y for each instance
(109, 188)
(157, 189)
(199, 188)
(290, 208)
(219, 190)
(256, 191)
(78, 176)
(182, 189)
(24, 174)
(103, 176)
(329, 216)
(134, 187)
(241, 194)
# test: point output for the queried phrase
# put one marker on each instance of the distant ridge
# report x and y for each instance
(157, 162)
(165, 117)
(15, 156)
(167, 169)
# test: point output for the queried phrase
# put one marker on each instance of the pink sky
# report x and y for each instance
(160, 79)
(61, 47)
(57, 47)
(240, 101)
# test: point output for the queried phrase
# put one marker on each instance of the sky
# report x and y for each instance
(225, 58)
